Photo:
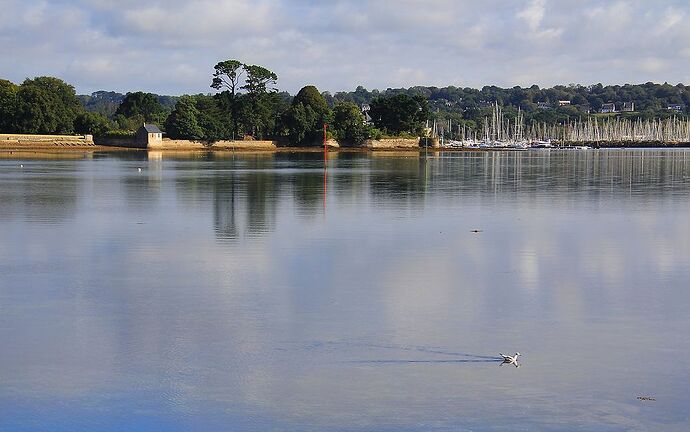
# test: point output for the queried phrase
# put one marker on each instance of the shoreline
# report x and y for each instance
(60, 146)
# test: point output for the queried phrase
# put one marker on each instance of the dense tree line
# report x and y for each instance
(248, 104)
(470, 106)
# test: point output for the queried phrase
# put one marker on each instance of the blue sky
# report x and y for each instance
(171, 46)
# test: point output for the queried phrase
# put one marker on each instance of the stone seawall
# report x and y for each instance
(174, 144)
(392, 143)
(170, 144)
(126, 142)
(26, 140)
(245, 145)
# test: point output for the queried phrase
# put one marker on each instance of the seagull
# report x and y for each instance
(21, 166)
(139, 169)
(510, 359)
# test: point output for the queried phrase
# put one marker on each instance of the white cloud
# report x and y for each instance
(339, 45)
(533, 14)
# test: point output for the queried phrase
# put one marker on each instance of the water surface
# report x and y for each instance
(261, 292)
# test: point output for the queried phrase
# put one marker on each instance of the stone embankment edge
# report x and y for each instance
(58, 142)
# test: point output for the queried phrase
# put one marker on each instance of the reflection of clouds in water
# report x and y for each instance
(164, 307)
(528, 265)
(418, 289)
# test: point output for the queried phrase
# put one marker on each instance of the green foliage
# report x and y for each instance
(266, 113)
(375, 133)
(400, 114)
(141, 105)
(226, 76)
(258, 80)
(348, 124)
(182, 123)
(102, 102)
(130, 123)
(302, 123)
(256, 110)
(310, 96)
(306, 116)
(213, 120)
(119, 133)
(472, 105)
(89, 123)
(46, 105)
(8, 105)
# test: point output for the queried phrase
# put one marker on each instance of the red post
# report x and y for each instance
(325, 138)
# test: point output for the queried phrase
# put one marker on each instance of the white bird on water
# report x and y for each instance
(510, 359)
(139, 169)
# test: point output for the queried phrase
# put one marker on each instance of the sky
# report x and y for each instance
(170, 47)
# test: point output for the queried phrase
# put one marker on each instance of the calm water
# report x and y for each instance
(260, 293)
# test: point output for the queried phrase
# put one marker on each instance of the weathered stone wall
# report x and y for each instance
(127, 142)
(245, 145)
(393, 143)
(26, 140)
(171, 144)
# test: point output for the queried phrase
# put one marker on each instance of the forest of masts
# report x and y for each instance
(500, 129)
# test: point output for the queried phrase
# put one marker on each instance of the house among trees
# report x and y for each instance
(608, 108)
(149, 134)
(628, 107)
(563, 103)
(543, 105)
(676, 107)
(365, 112)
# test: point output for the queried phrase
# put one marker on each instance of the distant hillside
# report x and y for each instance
(106, 102)
(649, 96)
(556, 105)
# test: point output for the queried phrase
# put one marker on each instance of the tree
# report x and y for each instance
(400, 114)
(258, 79)
(300, 121)
(213, 119)
(348, 123)
(91, 124)
(310, 96)
(227, 75)
(182, 123)
(46, 105)
(8, 105)
(142, 104)
(306, 116)
(257, 82)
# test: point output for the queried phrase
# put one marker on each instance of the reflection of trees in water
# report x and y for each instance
(246, 197)
(224, 208)
(244, 203)
(307, 192)
(43, 198)
(261, 202)
(142, 191)
(398, 181)
(558, 173)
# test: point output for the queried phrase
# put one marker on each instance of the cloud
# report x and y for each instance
(171, 46)
(533, 14)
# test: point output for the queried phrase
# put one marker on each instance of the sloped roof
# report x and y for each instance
(151, 128)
